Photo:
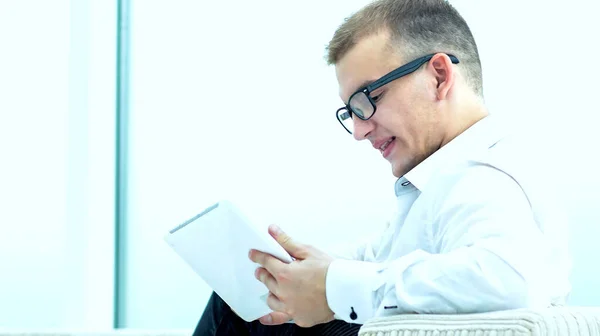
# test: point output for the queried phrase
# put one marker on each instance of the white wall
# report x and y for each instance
(57, 161)
(233, 99)
(211, 118)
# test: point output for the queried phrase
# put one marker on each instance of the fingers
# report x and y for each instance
(274, 303)
(296, 250)
(266, 278)
(275, 318)
(272, 264)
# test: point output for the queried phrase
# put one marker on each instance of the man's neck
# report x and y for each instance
(465, 117)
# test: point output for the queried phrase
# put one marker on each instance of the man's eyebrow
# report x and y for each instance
(361, 86)
(364, 84)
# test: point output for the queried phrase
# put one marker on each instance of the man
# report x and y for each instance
(476, 228)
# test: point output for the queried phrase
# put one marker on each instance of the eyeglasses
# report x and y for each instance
(362, 105)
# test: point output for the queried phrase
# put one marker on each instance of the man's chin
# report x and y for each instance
(397, 171)
(400, 169)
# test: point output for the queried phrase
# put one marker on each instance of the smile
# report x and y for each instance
(385, 144)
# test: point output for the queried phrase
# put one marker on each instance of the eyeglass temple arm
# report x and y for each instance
(408, 68)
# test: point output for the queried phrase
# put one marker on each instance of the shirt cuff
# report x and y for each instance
(350, 288)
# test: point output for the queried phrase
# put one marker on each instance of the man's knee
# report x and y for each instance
(216, 301)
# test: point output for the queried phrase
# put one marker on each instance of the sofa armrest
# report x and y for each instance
(555, 321)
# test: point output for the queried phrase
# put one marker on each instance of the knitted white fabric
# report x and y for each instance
(555, 321)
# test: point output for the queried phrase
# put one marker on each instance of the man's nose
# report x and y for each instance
(362, 128)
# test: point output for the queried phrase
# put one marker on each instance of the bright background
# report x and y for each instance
(233, 100)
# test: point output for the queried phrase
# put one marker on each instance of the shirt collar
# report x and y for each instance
(482, 135)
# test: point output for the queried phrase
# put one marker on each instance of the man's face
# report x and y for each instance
(407, 118)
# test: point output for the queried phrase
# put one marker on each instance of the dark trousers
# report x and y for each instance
(219, 319)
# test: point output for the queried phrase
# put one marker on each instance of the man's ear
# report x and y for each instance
(441, 67)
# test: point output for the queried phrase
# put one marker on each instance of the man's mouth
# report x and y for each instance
(387, 143)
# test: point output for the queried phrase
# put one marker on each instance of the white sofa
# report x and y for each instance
(556, 321)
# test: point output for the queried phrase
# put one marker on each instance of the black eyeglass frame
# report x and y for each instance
(402, 71)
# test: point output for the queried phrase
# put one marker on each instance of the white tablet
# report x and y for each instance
(215, 244)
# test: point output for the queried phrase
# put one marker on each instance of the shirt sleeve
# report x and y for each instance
(362, 250)
(491, 256)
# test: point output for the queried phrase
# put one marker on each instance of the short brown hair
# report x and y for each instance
(416, 27)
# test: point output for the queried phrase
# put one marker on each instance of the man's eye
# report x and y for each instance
(376, 98)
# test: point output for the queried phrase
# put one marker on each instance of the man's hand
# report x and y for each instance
(297, 290)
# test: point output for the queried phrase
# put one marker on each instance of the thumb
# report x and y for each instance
(293, 248)
(275, 318)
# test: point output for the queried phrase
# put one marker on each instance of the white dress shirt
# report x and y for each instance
(477, 229)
